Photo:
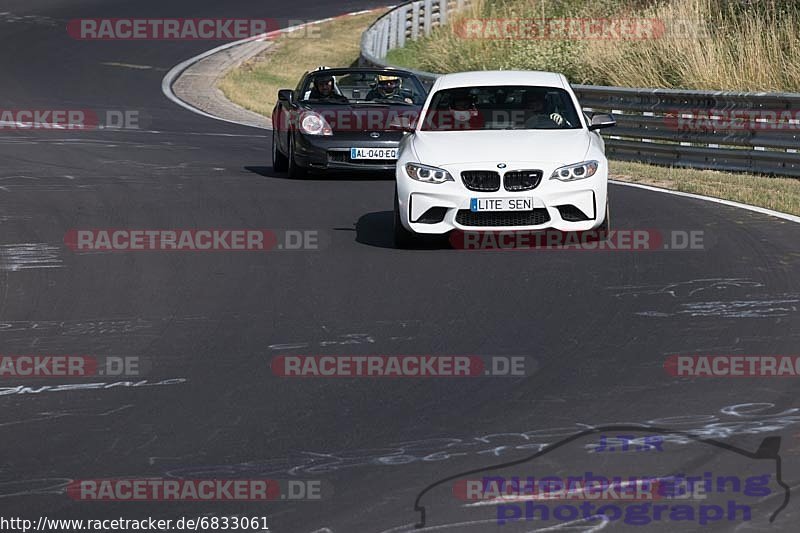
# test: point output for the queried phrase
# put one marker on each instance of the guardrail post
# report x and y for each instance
(369, 43)
(442, 12)
(392, 31)
(428, 16)
(383, 42)
(401, 26)
(414, 21)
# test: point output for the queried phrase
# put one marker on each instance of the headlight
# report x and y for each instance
(314, 124)
(427, 174)
(576, 172)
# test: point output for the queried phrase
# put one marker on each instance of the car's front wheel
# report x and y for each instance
(279, 161)
(295, 170)
(403, 238)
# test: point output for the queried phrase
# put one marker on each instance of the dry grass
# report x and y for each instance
(707, 44)
(754, 51)
(254, 85)
(780, 194)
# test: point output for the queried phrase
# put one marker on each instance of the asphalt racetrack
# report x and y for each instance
(595, 328)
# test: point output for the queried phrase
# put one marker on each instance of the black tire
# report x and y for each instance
(403, 238)
(295, 170)
(279, 161)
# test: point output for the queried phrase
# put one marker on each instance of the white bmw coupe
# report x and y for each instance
(501, 151)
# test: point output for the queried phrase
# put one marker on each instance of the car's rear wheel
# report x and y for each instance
(295, 170)
(279, 161)
(403, 238)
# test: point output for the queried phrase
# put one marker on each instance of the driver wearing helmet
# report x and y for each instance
(388, 87)
(323, 89)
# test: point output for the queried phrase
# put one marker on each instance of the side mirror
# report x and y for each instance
(286, 95)
(599, 122)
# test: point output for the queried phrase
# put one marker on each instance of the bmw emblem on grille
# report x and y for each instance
(501, 165)
(374, 134)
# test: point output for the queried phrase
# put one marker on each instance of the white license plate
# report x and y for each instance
(501, 204)
(373, 153)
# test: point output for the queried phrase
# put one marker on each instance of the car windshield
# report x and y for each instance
(501, 108)
(363, 87)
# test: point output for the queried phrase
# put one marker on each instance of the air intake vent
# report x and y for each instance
(536, 217)
(570, 213)
(434, 215)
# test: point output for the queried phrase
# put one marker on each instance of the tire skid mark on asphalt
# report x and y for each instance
(76, 387)
(685, 288)
(764, 306)
(412, 329)
(580, 525)
(732, 420)
(26, 256)
(748, 305)
(6, 17)
(49, 416)
(771, 308)
(96, 326)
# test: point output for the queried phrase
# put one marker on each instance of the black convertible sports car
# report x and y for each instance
(344, 118)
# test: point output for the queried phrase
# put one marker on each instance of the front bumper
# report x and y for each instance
(333, 153)
(564, 206)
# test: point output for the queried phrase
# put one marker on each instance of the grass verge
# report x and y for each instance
(254, 85)
(779, 194)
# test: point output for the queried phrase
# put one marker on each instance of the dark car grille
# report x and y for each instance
(465, 217)
(343, 156)
(522, 180)
(481, 180)
(570, 213)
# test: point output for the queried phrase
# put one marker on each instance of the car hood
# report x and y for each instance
(501, 146)
(361, 118)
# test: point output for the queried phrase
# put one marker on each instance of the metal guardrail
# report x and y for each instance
(701, 129)
(660, 126)
(408, 21)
